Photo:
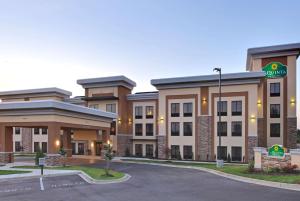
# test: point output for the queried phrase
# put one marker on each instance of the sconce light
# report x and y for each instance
(293, 101)
(161, 119)
(252, 118)
(119, 121)
(57, 143)
(204, 100)
(259, 102)
(108, 142)
(129, 120)
(92, 144)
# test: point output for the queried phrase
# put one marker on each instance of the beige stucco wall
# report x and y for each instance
(292, 84)
(103, 90)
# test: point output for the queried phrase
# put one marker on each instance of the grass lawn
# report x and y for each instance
(235, 169)
(95, 173)
(6, 172)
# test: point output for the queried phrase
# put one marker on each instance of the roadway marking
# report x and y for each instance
(15, 190)
(42, 184)
(66, 185)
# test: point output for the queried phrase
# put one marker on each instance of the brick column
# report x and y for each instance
(66, 142)
(27, 139)
(161, 147)
(53, 138)
(6, 144)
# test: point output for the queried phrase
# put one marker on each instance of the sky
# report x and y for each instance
(53, 43)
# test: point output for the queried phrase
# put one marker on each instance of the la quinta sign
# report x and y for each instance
(275, 70)
(276, 150)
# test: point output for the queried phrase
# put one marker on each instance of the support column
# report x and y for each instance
(66, 142)
(6, 144)
(53, 138)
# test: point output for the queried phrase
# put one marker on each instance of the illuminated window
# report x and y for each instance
(149, 112)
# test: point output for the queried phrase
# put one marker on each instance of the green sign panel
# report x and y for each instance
(276, 150)
(275, 70)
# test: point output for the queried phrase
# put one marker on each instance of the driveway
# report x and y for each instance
(148, 183)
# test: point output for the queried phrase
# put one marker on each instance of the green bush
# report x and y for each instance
(38, 154)
(251, 166)
(289, 168)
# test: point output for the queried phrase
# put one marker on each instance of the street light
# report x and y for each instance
(220, 161)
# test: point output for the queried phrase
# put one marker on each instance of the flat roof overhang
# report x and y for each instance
(41, 113)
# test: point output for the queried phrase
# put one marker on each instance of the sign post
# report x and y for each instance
(42, 164)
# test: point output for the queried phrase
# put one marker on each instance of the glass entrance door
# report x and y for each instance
(98, 148)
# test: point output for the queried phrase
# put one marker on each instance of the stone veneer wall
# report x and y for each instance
(55, 160)
(275, 162)
(6, 157)
(292, 133)
(124, 141)
(161, 147)
(260, 133)
(204, 138)
(27, 140)
(252, 142)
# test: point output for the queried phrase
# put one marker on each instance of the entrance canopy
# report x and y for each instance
(57, 116)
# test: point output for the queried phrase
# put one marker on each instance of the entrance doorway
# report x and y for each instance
(98, 148)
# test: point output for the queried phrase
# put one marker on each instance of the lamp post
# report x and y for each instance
(220, 161)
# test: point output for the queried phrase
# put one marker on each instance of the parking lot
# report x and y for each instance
(147, 183)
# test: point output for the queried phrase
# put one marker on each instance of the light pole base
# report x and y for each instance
(220, 163)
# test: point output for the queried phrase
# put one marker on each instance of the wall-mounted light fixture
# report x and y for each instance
(119, 121)
(252, 118)
(292, 101)
(57, 143)
(259, 103)
(92, 144)
(161, 119)
(129, 120)
(204, 100)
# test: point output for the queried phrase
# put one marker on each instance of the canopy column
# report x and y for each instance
(54, 142)
(6, 144)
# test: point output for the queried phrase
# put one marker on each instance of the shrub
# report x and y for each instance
(62, 151)
(38, 154)
(251, 166)
(289, 168)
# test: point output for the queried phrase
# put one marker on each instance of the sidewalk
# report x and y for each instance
(34, 172)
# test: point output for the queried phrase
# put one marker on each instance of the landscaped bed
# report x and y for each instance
(7, 172)
(95, 173)
(236, 169)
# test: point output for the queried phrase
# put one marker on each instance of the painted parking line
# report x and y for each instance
(13, 190)
(67, 185)
(42, 184)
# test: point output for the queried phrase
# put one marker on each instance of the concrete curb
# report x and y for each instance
(294, 187)
(90, 180)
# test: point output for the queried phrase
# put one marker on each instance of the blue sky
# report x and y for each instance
(54, 43)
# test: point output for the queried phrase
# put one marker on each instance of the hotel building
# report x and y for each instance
(180, 119)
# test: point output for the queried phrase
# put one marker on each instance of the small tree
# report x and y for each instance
(109, 155)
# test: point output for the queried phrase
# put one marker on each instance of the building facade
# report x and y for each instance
(180, 119)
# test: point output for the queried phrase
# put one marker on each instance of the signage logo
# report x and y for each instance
(276, 150)
(275, 70)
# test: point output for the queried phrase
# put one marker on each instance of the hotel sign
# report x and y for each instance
(276, 150)
(275, 70)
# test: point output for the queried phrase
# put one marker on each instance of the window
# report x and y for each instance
(139, 150)
(44, 147)
(275, 130)
(138, 129)
(149, 150)
(275, 89)
(138, 112)
(222, 129)
(236, 153)
(188, 129)
(17, 146)
(17, 130)
(111, 108)
(44, 131)
(149, 112)
(175, 152)
(188, 152)
(80, 148)
(36, 146)
(36, 131)
(149, 129)
(175, 111)
(236, 128)
(222, 108)
(175, 128)
(275, 110)
(223, 152)
(94, 106)
(236, 108)
(187, 109)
